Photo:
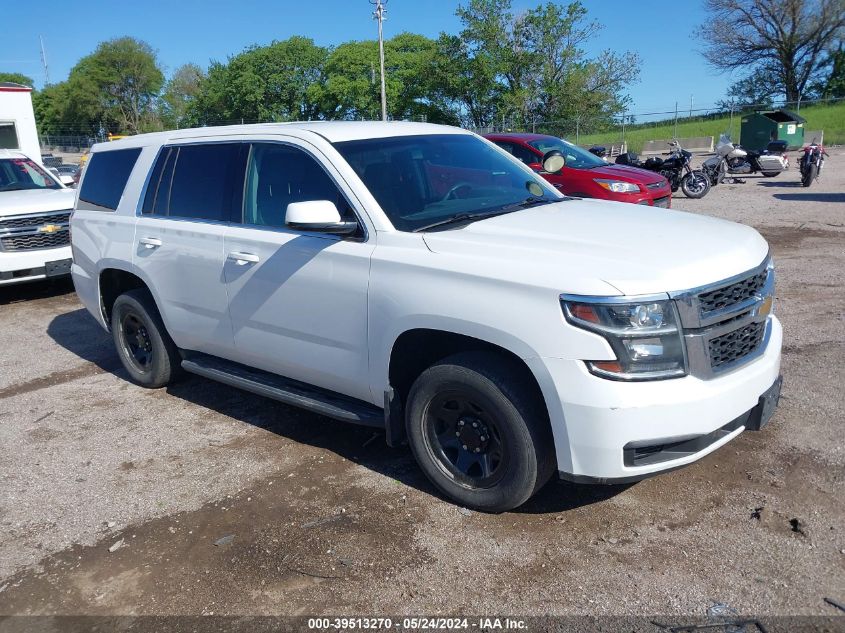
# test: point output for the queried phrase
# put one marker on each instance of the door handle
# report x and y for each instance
(150, 242)
(242, 259)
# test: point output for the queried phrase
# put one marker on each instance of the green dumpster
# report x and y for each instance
(759, 128)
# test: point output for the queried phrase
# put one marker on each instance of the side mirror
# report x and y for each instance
(317, 215)
(553, 161)
(67, 181)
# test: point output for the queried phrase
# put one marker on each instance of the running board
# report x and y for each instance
(292, 392)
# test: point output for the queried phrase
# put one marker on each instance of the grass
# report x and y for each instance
(830, 118)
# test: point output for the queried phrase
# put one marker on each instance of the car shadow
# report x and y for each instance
(812, 197)
(30, 291)
(791, 184)
(77, 332)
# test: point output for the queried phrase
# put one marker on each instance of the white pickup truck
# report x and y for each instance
(34, 219)
(418, 279)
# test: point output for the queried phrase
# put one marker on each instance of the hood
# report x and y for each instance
(35, 201)
(635, 248)
(625, 173)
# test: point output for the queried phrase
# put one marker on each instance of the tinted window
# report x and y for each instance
(207, 182)
(105, 178)
(280, 174)
(422, 180)
(522, 153)
(22, 173)
(576, 157)
(153, 202)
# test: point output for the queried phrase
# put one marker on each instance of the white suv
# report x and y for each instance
(418, 279)
(35, 213)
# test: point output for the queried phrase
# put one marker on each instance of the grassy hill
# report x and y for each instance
(830, 118)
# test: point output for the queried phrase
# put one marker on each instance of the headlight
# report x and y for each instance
(644, 336)
(617, 186)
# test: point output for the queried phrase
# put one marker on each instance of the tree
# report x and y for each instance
(834, 85)
(278, 82)
(16, 78)
(352, 90)
(758, 89)
(786, 38)
(532, 66)
(179, 93)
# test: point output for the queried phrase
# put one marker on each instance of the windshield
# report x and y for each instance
(22, 173)
(424, 180)
(576, 157)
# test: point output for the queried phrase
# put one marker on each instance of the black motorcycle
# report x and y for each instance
(811, 163)
(676, 169)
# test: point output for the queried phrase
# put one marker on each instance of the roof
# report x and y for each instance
(8, 86)
(781, 116)
(332, 131)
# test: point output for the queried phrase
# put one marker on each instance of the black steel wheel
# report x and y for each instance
(146, 350)
(478, 428)
(462, 435)
(137, 345)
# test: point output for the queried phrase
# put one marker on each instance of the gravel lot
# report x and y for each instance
(326, 519)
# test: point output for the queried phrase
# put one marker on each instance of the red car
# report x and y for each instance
(586, 175)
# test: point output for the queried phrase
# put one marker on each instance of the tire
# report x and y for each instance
(514, 456)
(695, 185)
(145, 348)
(770, 174)
(809, 174)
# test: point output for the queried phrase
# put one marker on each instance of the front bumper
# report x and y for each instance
(22, 266)
(594, 420)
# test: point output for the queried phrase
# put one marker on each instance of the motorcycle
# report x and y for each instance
(676, 169)
(811, 163)
(732, 159)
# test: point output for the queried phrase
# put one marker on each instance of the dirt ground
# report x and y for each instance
(202, 499)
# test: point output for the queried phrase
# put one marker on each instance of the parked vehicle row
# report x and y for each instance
(421, 280)
(585, 174)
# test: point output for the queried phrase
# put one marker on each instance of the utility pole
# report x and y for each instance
(378, 15)
(690, 106)
(44, 62)
(675, 127)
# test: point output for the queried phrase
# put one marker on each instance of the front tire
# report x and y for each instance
(479, 431)
(695, 184)
(770, 174)
(809, 174)
(146, 350)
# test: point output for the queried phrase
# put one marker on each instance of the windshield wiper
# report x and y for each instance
(472, 217)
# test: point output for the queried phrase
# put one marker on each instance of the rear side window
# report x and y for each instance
(105, 178)
(203, 182)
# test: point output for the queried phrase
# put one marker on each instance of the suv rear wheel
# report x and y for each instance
(148, 353)
(479, 432)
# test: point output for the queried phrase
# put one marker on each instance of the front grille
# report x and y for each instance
(662, 202)
(34, 221)
(732, 294)
(735, 345)
(33, 241)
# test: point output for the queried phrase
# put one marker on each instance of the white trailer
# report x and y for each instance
(17, 120)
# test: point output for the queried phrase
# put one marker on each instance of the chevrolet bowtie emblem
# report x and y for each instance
(49, 228)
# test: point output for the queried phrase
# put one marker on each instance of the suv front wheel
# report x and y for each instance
(148, 353)
(479, 432)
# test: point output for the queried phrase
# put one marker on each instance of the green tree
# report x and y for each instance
(532, 66)
(279, 82)
(352, 88)
(180, 91)
(115, 86)
(16, 78)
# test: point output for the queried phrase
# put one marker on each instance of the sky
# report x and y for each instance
(200, 31)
